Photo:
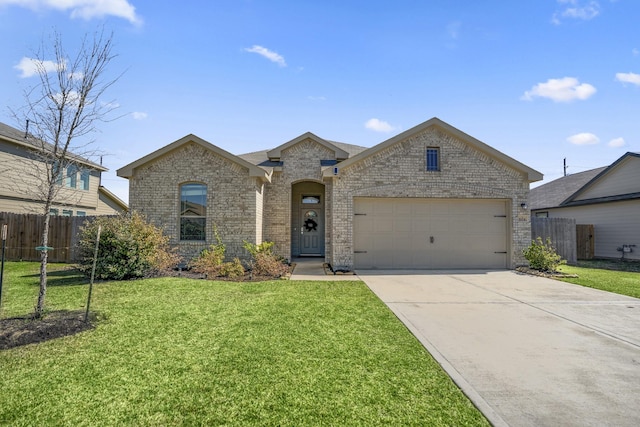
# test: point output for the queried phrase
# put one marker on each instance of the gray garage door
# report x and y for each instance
(430, 233)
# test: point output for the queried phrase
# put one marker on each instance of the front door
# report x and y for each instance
(311, 228)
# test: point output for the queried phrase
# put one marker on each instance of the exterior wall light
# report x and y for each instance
(523, 205)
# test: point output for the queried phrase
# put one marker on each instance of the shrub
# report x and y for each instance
(542, 255)
(269, 265)
(232, 270)
(253, 249)
(129, 248)
(210, 260)
(265, 262)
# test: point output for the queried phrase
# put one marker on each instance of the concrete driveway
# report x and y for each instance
(528, 351)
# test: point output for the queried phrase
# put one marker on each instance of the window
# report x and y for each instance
(84, 180)
(53, 211)
(433, 159)
(67, 212)
(310, 200)
(542, 214)
(72, 176)
(56, 172)
(193, 211)
(81, 213)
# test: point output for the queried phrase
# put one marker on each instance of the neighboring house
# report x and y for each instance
(22, 171)
(607, 197)
(430, 197)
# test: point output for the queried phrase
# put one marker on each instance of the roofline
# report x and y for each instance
(74, 157)
(275, 153)
(532, 174)
(113, 197)
(604, 172)
(255, 171)
(594, 201)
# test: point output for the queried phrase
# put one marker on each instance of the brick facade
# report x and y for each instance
(400, 171)
(245, 206)
(234, 200)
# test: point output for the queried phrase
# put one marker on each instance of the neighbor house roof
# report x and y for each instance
(553, 193)
(531, 174)
(29, 142)
(567, 191)
(574, 199)
(127, 171)
(115, 199)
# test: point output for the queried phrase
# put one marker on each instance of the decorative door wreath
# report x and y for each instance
(310, 225)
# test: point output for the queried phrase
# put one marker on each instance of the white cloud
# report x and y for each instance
(576, 9)
(29, 66)
(139, 115)
(565, 89)
(84, 9)
(616, 142)
(378, 125)
(628, 78)
(635, 51)
(583, 139)
(316, 98)
(269, 54)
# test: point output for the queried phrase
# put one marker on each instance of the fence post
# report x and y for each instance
(4, 244)
(93, 274)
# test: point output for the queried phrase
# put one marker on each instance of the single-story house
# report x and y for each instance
(23, 171)
(430, 197)
(607, 198)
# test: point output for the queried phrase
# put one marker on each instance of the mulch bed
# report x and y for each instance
(549, 274)
(18, 331)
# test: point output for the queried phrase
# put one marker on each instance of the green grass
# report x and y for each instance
(177, 351)
(620, 282)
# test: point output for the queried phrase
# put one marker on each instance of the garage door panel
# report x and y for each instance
(398, 233)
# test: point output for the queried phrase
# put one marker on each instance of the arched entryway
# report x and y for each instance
(307, 219)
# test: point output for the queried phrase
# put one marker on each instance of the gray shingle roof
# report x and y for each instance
(18, 137)
(260, 158)
(553, 193)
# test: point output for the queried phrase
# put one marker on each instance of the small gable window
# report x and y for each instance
(193, 211)
(433, 159)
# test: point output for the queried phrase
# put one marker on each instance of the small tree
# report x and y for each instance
(543, 256)
(129, 248)
(61, 111)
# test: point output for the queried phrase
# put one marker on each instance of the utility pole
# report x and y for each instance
(565, 166)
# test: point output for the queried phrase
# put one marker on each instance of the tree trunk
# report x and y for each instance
(44, 255)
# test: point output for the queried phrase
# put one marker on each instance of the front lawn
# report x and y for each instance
(177, 351)
(620, 282)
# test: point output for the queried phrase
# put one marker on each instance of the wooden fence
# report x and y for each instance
(585, 240)
(561, 231)
(24, 233)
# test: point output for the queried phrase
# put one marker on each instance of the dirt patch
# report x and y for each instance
(18, 331)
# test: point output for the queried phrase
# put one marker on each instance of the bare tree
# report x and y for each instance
(61, 112)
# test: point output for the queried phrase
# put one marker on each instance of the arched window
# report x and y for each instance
(193, 211)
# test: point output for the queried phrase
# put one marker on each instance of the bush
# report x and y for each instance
(264, 247)
(269, 265)
(129, 248)
(232, 270)
(210, 260)
(265, 262)
(542, 256)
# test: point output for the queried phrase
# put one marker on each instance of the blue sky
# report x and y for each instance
(539, 80)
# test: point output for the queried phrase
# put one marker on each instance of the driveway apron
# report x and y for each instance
(528, 351)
